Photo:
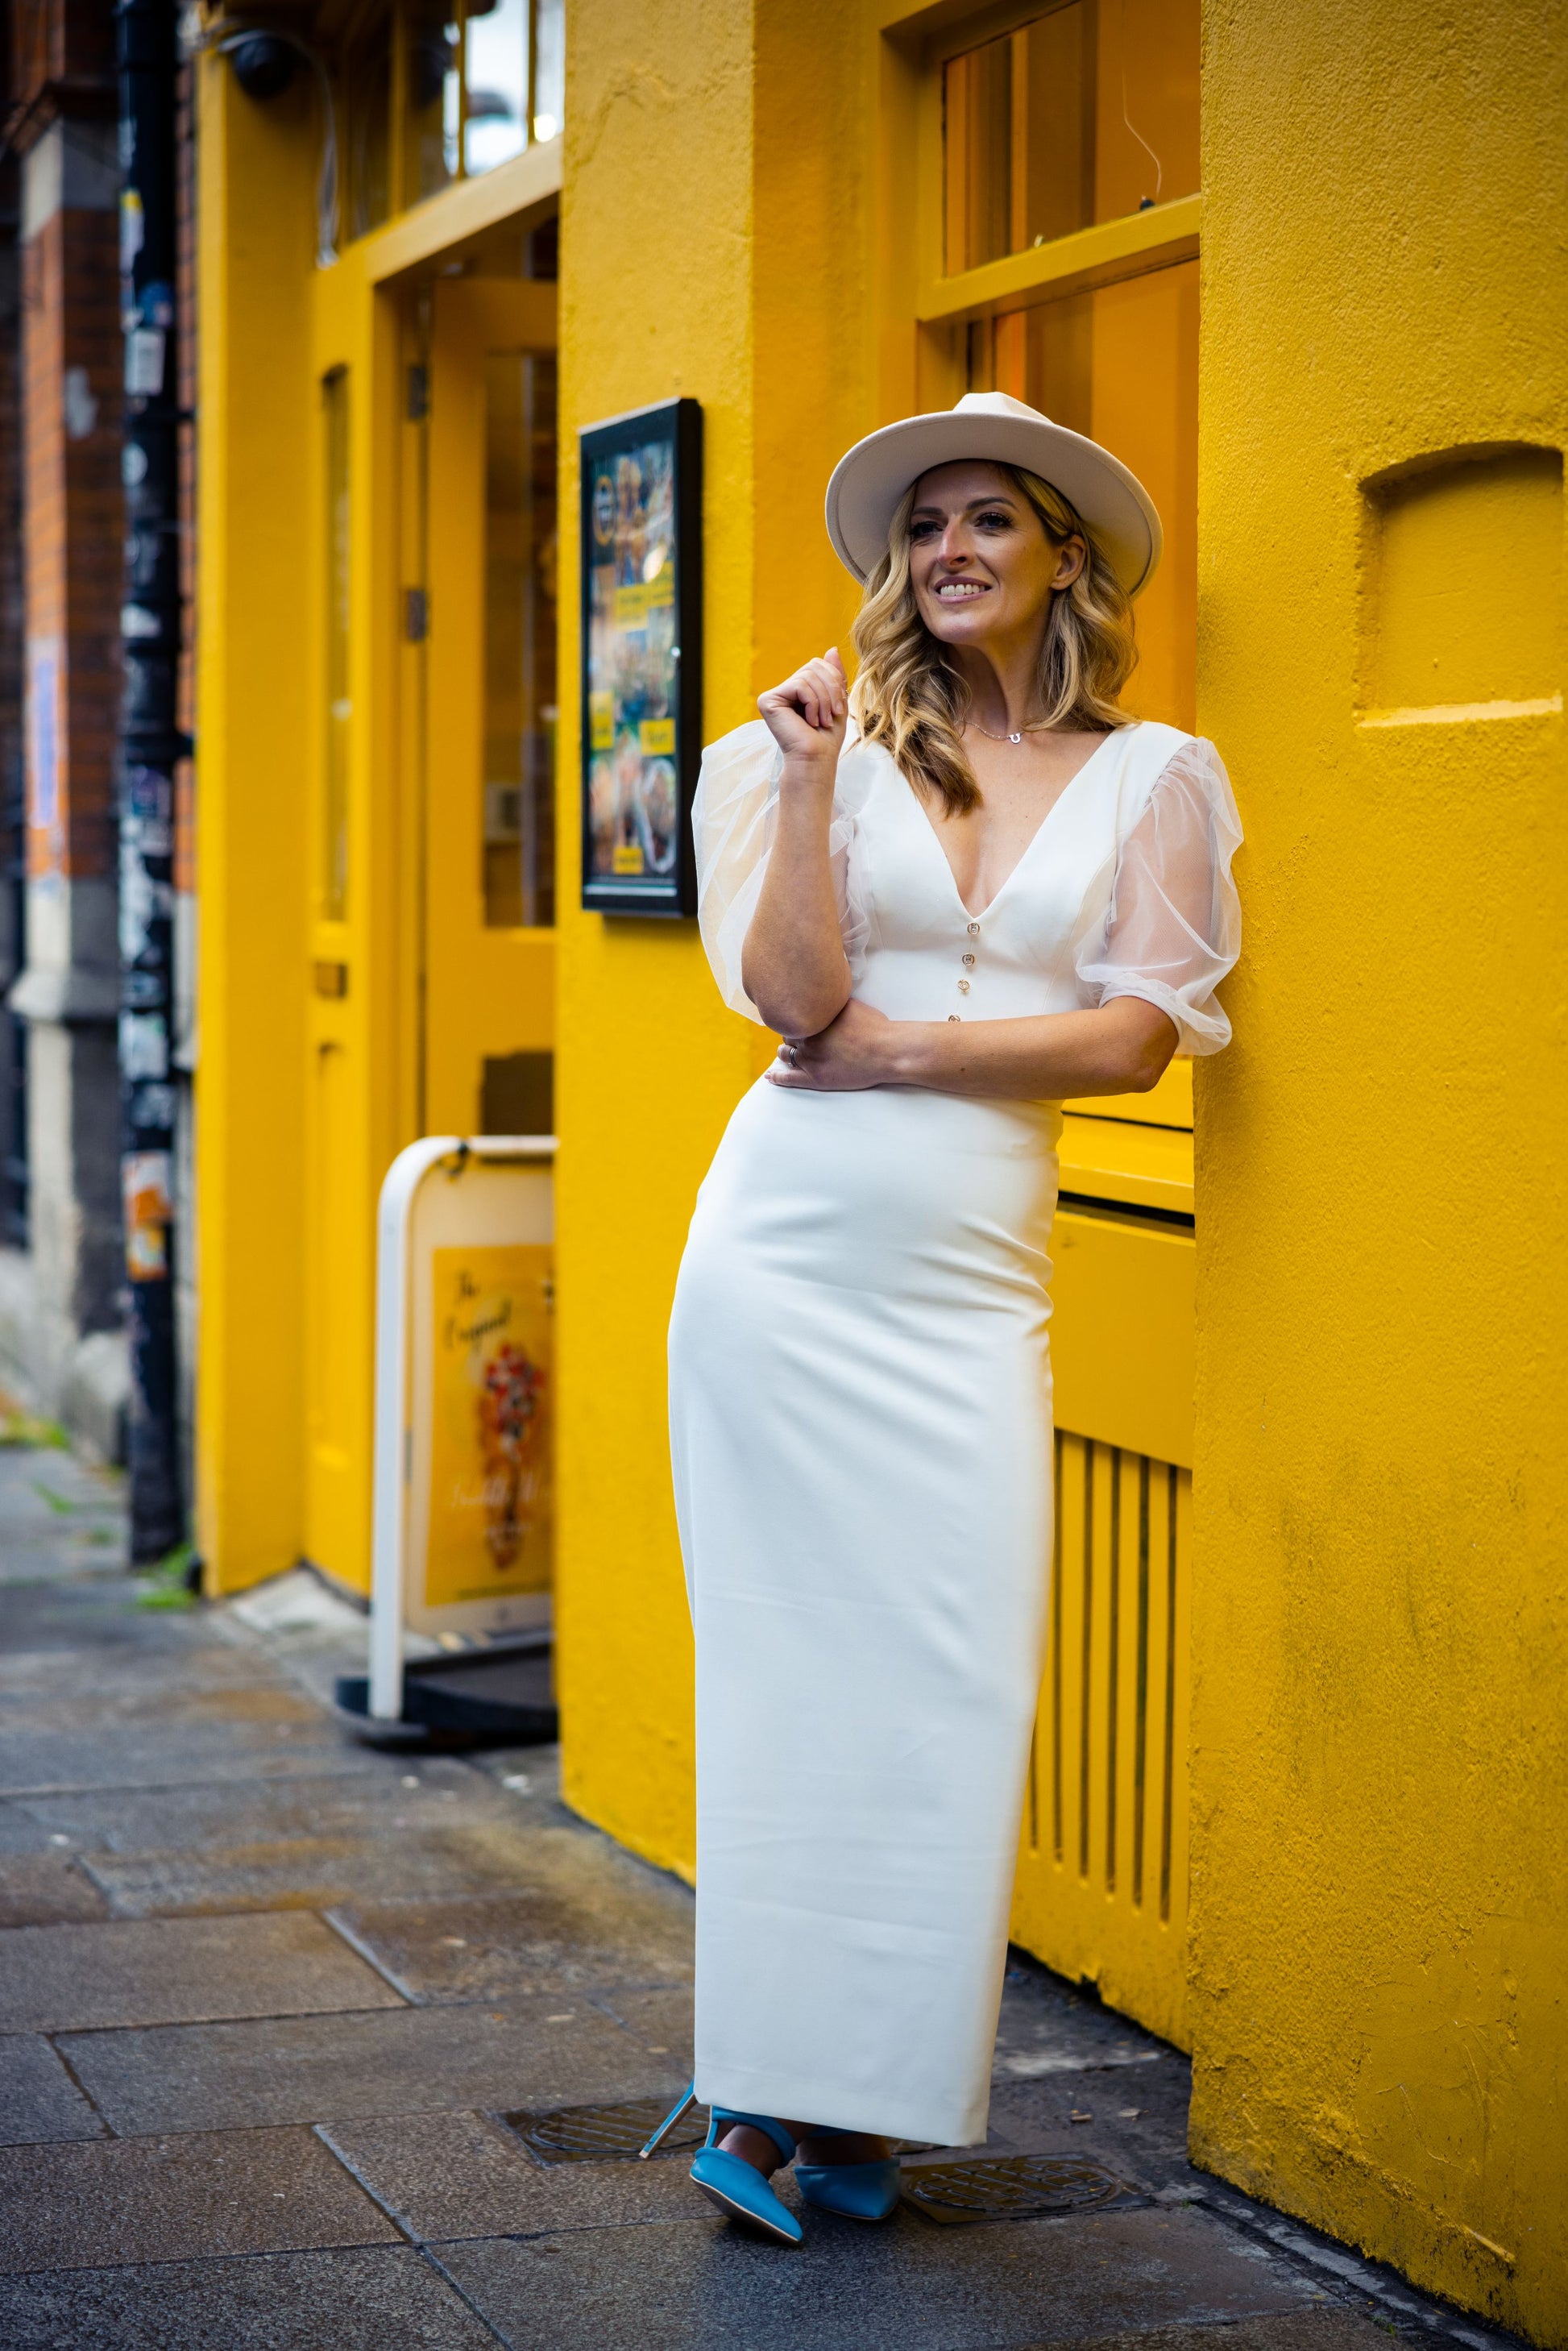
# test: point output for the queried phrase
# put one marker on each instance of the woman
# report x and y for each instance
(963, 891)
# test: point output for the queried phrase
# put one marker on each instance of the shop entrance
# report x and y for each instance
(486, 1015)
(433, 937)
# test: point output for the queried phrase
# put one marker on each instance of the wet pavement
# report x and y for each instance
(275, 2008)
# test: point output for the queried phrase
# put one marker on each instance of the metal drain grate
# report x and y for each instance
(600, 2134)
(1009, 2188)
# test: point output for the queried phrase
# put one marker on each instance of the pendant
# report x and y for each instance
(1015, 738)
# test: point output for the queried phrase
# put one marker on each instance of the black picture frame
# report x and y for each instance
(640, 685)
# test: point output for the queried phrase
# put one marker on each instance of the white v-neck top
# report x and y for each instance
(1124, 890)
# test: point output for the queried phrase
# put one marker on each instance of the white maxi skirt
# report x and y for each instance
(860, 1413)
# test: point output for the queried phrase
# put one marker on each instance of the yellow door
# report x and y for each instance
(340, 1203)
(431, 937)
(488, 618)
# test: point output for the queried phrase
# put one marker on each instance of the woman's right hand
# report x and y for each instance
(806, 714)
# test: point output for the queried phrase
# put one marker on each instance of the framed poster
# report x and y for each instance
(642, 491)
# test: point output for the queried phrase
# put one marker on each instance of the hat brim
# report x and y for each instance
(869, 480)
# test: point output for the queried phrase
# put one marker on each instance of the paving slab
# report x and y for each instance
(121, 1666)
(658, 2021)
(460, 2176)
(168, 1971)
(37, 1890)
(38, 2099)
(21, 1830)
(154, 2200)
(314, 1873)
(908, 2286)
(98, 1615)
(386, 1793)
(329, 2068)
(244, 1710)
(144, 1756)
(1326, 2328)
(389, 2298)
(1047, 2030)
(59, 1517)
(577, 1924)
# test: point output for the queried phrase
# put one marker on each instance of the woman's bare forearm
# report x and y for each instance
(1121, 1048)
(793, 964)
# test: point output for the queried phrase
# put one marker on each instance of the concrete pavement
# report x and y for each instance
(286, 2027)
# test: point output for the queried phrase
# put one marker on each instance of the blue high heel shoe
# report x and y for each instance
(728, 2181)
(860, 2191)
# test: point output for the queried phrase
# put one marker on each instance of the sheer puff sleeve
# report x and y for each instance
(733, 817)
(1174, 928)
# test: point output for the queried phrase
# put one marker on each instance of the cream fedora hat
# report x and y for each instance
(867, 484)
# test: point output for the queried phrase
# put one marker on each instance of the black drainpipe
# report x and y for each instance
(150, 744)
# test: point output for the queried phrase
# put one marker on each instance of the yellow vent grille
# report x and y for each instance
(1101, 1889)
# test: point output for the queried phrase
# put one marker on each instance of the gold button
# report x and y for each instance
(963, 987)
(969, 959)
(975, 930)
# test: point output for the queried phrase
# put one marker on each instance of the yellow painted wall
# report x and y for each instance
(663, 127)
(648, 1061)
(256, 225)
(1380, 1613)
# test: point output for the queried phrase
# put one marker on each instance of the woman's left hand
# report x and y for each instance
(852, 1053)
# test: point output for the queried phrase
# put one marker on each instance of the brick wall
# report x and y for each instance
(71, 368)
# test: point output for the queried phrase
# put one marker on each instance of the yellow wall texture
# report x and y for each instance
(256, 224)
(687, 211)
(1380, 1633)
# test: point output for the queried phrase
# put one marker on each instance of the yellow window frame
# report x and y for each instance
(1089, 256)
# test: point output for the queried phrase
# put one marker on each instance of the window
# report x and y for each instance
(1119, 362)
(514, 77)
(519, 548)
(495, 80)
(368, 124)
(338, 713)
(1083, 116)
(436, 90)
(434, 102)
(1080, 116)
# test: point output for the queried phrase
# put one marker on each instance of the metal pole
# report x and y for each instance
(150, 744)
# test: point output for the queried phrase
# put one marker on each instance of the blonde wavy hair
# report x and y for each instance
(910, 695)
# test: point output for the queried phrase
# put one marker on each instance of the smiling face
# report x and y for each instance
(981, 563)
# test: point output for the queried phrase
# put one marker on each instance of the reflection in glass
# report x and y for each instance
(520, 551)
(339, 709)
(495, 70)
(549, 68)
(1084, 114)
(434, 98)
(368, 112)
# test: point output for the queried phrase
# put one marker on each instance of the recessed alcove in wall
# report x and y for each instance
(1462, 589)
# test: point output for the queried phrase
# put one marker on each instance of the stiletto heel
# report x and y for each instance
(859, 2191)
(737, 2186)
(668, 2125)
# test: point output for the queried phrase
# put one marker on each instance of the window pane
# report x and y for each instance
(520, 639)
(1120, 363)
(549, 68)
(1084, 115)
(368, 112)
(977, 124)
(339, 711)
(495, 66)
(433, 50)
